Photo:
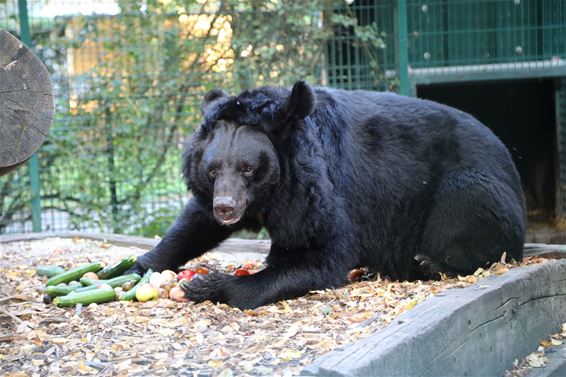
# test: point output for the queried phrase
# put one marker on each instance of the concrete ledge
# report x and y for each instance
(475, 331)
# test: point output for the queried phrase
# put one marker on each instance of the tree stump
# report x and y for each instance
(26, 102)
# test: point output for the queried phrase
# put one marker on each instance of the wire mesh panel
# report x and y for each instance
(561, 143)
(486, 37)
(360, 52)
(128, 79)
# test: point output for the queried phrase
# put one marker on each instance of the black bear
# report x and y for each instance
(341, 179)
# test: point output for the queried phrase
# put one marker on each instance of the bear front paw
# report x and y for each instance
(137, 268)
(206, 287)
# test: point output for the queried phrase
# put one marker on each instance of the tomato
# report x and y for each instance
(241, 272)
(186, 274)
(201, 270)
(356, 274)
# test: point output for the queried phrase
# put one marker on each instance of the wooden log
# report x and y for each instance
(27, 106)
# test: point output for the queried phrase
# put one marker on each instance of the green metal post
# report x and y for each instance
(33, 162)
(403, 48)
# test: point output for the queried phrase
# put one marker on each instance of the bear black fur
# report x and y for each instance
(341, 179)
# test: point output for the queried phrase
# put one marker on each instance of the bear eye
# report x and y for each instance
(213, 172)
(248, 171)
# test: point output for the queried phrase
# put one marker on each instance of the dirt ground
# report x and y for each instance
(164, 337)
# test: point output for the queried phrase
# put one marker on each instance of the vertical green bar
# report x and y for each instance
(403, 47)
(33, 163)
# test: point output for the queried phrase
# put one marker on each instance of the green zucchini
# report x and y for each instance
(89, 281)
(49, 271)
(118, 268)
(59, 290)
(75, 273)
(85, 289)
(131, 294)
(98, 296)
(114, 282)
(65, 289)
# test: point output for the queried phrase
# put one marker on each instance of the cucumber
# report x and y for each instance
(49, 271)
(84, 289)
(72, 287)
(89, 281)
(118, 268)
(98, 296)
(131, 294)
(75, 273)
(114, 282)
(59, 290)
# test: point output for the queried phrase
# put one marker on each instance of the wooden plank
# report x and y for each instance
(27, 106)
(231, 245)
(476, 331)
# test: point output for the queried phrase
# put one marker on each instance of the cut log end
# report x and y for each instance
(27, 106)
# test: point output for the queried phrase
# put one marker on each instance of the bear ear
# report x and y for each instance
(211, 97)
(301, 102)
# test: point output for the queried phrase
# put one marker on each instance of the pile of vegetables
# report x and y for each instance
(94, 283)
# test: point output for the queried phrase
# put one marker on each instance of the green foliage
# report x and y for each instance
(128, 91)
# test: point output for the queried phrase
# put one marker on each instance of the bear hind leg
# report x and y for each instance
(473, 221)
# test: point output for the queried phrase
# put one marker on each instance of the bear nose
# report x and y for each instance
(223, 205)
(223, 210)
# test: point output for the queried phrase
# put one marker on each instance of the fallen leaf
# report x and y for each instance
(289, 354)
(536, 360)
(555, 342)
(216, 364)
(85, 369)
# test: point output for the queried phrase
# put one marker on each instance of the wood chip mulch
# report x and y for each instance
(164, 337)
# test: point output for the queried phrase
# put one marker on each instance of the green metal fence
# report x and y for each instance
(128, 77)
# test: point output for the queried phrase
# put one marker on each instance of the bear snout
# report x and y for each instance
(225, 210)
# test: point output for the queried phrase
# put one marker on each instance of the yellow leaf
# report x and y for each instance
(536, 360)
(555, 342)
(216, 364)
(359, 317)
(479, 271)
(326, 345)
(286, 308)
(289, 354)
(251, 313)
(85, 369)
(410, 305)
(545, 343)
(500, 269)
(58, 340)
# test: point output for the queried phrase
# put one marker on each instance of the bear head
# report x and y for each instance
(233, 160)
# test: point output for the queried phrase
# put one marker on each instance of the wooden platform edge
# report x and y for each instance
(475, 331)
(231, 245)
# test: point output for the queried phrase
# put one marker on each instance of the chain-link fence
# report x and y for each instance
(128, 79)
(129, 76)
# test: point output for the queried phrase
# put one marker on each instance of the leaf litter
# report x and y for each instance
(165, 337)
(538, 358)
